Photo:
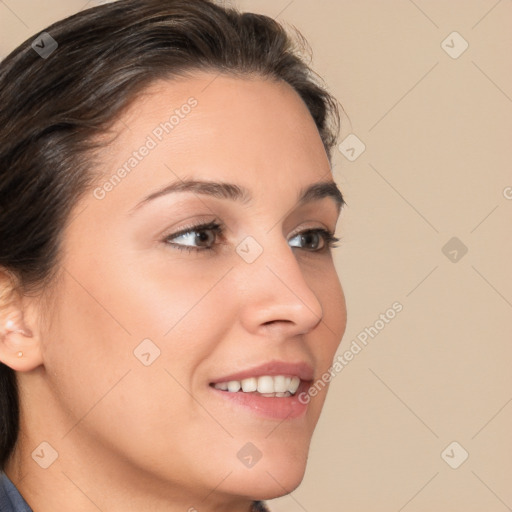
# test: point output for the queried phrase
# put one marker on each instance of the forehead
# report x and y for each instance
(249, 130)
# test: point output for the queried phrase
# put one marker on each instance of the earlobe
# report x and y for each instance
(19, 348)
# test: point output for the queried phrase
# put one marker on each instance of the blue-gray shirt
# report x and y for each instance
(10, 499)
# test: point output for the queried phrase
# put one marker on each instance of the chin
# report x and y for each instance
(260, 485)
(272, 476)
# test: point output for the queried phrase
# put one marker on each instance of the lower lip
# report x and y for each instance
(277, 408)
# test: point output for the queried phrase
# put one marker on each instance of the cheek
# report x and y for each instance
(335, 308)
(324, 343)
(328, 289)
(177, 306)
(105, 323)
(105, 388)
(86, 347)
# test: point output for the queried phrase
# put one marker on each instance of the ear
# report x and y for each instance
(19, 343)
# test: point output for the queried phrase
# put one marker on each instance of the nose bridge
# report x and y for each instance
(275, 288)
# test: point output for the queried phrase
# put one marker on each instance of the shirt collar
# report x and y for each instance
(10, 498)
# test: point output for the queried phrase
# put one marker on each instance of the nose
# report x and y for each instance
(276, 297)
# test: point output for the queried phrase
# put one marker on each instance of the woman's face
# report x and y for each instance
(148, 315)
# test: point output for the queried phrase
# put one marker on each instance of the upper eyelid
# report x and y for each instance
(199, 224)
(219, 226)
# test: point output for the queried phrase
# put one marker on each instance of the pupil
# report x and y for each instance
(202, 236)
(310, 240)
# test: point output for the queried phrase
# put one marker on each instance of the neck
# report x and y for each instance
(87, 476)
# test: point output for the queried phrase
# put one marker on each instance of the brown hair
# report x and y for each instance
(58, 92)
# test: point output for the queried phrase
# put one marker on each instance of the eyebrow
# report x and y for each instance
(221, 190)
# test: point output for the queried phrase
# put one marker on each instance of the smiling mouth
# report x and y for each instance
(269, 386)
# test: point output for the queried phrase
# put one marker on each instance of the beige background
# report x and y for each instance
(437, 165)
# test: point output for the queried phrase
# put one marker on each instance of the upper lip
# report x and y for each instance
(302, 370)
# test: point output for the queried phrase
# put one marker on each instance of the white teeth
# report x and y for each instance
(294, 385)
(249, 385)
(234, 386)
(266, 385)
(280, 384)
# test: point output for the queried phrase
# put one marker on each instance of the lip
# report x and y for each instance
(274, 408)
(300, 369)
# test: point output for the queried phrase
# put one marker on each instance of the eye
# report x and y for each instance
(315, 240)
(201, 237)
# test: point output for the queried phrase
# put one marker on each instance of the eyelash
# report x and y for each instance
(328, 237)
